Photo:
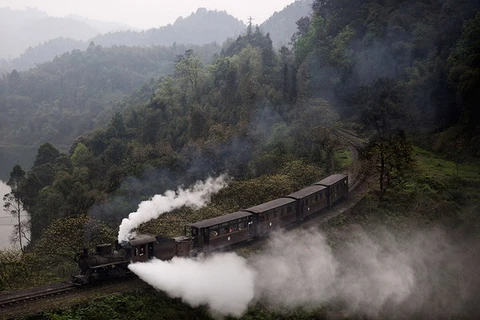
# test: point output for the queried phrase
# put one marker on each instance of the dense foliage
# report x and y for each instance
(73, 94)
(426, 48)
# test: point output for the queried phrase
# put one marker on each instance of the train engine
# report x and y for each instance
(111, 261)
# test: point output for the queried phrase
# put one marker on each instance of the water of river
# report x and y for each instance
(6, 221)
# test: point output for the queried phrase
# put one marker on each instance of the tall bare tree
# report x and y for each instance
(13, 203)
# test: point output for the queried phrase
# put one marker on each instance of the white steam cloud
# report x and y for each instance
(375, 274)
(196, 196)
(224, 281)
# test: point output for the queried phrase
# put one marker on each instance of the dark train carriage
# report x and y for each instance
(183, 246)
(164, 248)
(310, 200)
(337, 185)
(143, 247)
(222, 231)
(274, 214)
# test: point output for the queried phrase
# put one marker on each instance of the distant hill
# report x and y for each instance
(42, 53)
(201, 27)
(21, 29)
(282, 25)
(102, 26)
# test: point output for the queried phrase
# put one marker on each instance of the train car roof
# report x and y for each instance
(221, 219)
(142, 239)
(270, 205)
(331, 180)
(306, 191)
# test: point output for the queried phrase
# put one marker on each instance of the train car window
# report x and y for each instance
(321, 195)
(142, 250)
(213, 233)
(316, 197)
(289, 209)
(135, 252)
(306, 202)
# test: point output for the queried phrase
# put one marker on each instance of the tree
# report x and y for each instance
(464, 73)
(388, 152)
(249, 66)
(391, 157)
(314, 131)
(189, 70)
(18, 269)
(47, 153)
(13, 203)
(70, 235)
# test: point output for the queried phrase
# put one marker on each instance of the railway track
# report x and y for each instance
(21, 296)
(356, 173)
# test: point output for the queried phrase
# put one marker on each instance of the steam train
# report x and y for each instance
(212, 234)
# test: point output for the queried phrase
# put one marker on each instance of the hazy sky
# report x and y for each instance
(149, 13)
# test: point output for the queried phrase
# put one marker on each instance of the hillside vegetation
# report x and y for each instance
(78, 91)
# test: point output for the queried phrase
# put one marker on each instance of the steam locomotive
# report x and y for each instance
(111, 261)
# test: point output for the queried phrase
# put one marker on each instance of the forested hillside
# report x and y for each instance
(407, 52)
(76, 92)
(201, 119)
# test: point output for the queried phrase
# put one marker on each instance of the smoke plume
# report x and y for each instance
(426, 275)
(224, 281)
(376, 274)
(196, 196)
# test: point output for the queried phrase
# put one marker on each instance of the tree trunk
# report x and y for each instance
(19, 219)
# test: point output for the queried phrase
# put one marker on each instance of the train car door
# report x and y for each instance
(206, 236)
(251, 227)
(150, 250)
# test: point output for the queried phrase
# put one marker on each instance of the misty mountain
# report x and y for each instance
(201, 27)
(42, 53)
(102, 26)
(282, 25)
(21, 29)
